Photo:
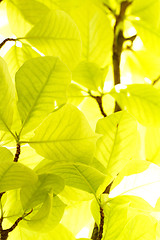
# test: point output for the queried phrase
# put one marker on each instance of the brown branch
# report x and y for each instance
(4, 232)
(18, 151)
(95, 232)
(108, 7)
(156, 80)
(99, 101)
(117, 48)
(100, 233)
(1, 194)
(7, 40)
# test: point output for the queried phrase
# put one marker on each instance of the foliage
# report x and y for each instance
(79, 123)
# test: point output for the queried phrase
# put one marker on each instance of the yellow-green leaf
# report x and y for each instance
(56, 34)
(141, 100)
(65, 136)
(41, 86)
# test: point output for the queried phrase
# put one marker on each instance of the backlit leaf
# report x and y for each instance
(37, 193)
(56, 34)
(117, 146)
(40, 82)
(21, 15)
(65, 136)
(76, 175)
(96, 34)
(15, 175)
(89, 75)
(48, 216)
(146, 21)
(7, 95)
(141, 100)
(152, 145)
(16, 56)
(59, 233)
(5, 155)
(144, 229)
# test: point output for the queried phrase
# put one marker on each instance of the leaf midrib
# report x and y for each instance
(38, 96)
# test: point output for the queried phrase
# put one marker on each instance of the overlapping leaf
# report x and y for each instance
(21, 15)
(15, 175)
(138, 178)
(56, 34)
(16, 56)
(141, 100)
(70, 220)
(48, 216)
(59, 233)
(65, 136)
(89, 75)
(5, 155)
(75, 94)
(123, 211)
(7, 96)
(40, 82)
(152, 145)
(118, 144)
(37, 193)
(146, 22)
(96, 34)
(76, 175)
(144, 229)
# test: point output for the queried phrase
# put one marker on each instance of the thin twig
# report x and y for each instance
(156, 80)
(7, 40)
(108, 7)
(4, 232)
(99, 101)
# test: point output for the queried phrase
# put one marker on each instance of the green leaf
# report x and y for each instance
(15, 175)
(96, 33)
(152, 145)
(56, 34)
(65, 136)
(5, 155)
(141, 64)
(70, 195)
(21, 15)
(39, 88)
(138, 178)
(75, 94)
(58, 233)
(89, 75)
(144, 229)
(146, 23)
(121, 211)
(16, 56)
(133, 167)
(12, 200)
(74, 174)
(65, 5)
(33, 195)
(7, 97)
(141, 100)
(70, 219)
(48, 216)
(119, 138)
(115, 220)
